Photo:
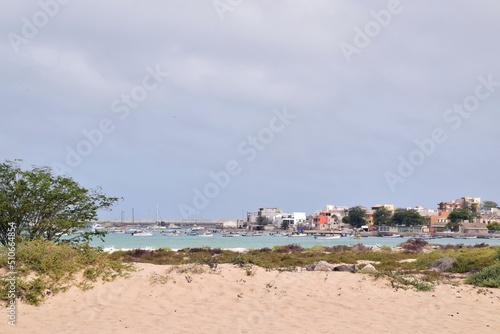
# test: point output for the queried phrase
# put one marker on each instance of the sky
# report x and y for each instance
(209, 109)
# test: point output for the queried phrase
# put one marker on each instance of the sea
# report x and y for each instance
(115, 241)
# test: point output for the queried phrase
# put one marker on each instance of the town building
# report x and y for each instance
(474, 203)
(294, 221)
(269, 213)
(329, 218)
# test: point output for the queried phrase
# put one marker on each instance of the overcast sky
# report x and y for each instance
(212, 108)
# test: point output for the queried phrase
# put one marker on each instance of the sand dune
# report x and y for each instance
(158, 300)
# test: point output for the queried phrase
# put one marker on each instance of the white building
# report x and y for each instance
(294, 219)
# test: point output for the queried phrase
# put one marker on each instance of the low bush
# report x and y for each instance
(475, 259)
(488, 277)
(289, 249)
(44, 268)
(414, 245)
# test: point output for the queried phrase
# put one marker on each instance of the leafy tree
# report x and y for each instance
(262, 220)
(488, 205)
(356, 217)
(382, 216)
(35, 204)
(407, 217)
(285, 225)
(495, 226)
(457, 216)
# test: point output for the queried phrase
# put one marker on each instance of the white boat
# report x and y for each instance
(392, 236)
(132, 230)
(97, 227)
(327, 237)
(293, 235)
(251, 234)
(231, 235)
(142, 234)
(175, 233)
(206, 234)
(278, 234)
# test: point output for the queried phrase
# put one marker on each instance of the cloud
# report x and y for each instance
(225, 79)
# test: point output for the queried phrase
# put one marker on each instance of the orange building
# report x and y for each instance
(438, 222)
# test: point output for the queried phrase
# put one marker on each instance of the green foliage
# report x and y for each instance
(37, 204)
(474, 259)
(488, 205)
(488, 277)
(356, 216)
(457, 216)
(44, 268)
(404, 217)
(285, 225)
(261, 220)
(382, 216)
(494, 226)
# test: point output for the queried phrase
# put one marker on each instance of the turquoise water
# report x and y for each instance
(157, 240)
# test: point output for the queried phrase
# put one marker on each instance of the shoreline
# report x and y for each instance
(124, 241)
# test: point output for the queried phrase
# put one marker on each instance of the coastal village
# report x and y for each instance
(333, 218)
(483, 220)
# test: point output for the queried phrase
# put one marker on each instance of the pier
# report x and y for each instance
(210, 223)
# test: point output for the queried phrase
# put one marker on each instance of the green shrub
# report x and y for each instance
(43, 268)
(414, 245)
(473, 259)
(488, 277)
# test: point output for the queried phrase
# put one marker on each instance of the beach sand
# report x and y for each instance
(156, 299)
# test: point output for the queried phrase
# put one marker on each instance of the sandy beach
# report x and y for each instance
(163, 299)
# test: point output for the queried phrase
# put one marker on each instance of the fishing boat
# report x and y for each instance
(392, 236)
(278, 234)
(231, 234)
(327, 237)
(295, 235)
(142, 234)
(251, 234)
(171, 233)
(206, 234)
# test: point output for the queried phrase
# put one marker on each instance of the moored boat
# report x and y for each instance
(327, 237)
(231, 234)
(293, 235)
(142, 234)
(251, 234)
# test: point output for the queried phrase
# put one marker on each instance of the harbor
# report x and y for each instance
(162, 239)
